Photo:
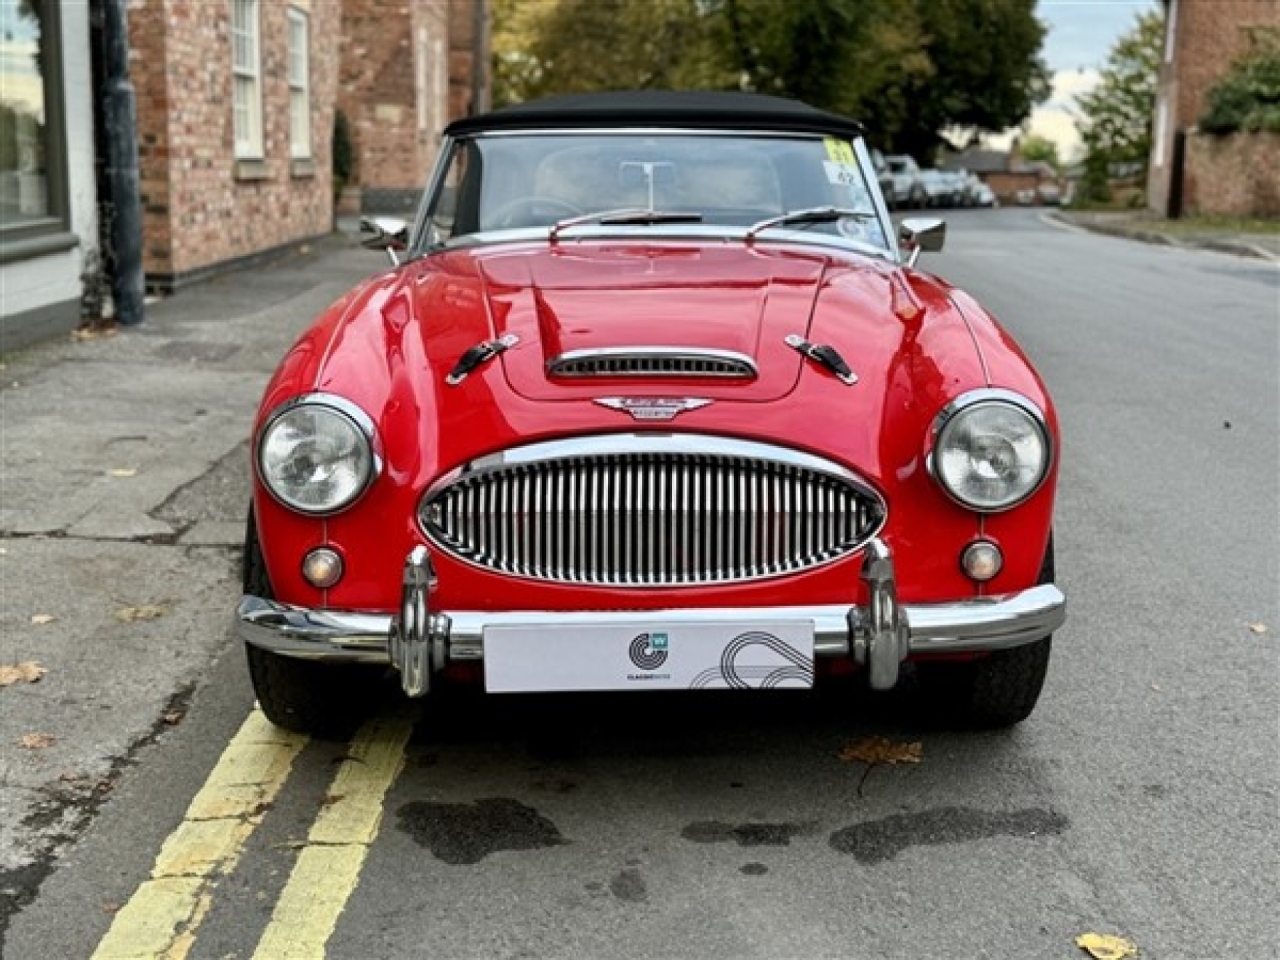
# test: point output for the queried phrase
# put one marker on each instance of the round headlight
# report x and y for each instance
(315, 458)
(991, 454)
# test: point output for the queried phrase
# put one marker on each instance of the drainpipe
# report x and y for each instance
(120, 123)
(479, 57)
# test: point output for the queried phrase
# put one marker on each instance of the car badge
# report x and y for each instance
(653, 408)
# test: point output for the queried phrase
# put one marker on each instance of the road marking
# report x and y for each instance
(328, 867)
(161, 919)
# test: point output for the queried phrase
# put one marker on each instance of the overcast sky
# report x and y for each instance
(1080, 36)
(1081, 32)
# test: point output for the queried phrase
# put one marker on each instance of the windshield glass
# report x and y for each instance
(509, 182)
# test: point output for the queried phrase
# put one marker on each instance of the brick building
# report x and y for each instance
(1005, 172)
(235, 119)
(1202, 38)
(408, 67)
(235, 116)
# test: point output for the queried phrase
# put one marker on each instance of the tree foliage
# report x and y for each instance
(907, 68)
(1117, 113)
(1039, 149)
(1247, 98)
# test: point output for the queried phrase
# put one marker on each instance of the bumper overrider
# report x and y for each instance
(420, 641)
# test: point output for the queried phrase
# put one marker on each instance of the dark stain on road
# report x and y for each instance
(629, 886)
(743, 834)
(465, 833)
(879, 840)
(753, 869)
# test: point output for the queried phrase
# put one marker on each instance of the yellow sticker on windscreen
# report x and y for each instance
(839, 151)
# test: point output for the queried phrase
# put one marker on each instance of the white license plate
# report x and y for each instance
(657, 656)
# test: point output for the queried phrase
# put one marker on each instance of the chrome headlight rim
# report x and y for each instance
(990, 396)
(356, 417)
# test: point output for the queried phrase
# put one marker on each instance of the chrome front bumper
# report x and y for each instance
(420, 641)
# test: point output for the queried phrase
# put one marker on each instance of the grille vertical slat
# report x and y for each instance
(650, 519)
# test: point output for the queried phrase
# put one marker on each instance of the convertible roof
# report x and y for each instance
(697, 109)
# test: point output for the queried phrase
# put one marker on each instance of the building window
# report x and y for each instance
(33, 198)
(299, 86)
(246, 72)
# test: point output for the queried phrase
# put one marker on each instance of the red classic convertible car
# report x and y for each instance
(653, 397)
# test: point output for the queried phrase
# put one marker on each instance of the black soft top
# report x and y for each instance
(661, 108)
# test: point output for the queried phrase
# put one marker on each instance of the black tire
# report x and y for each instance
(322, 699)
(998, 690)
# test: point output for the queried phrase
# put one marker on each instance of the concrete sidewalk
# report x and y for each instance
(1175, 233)
(123, 494)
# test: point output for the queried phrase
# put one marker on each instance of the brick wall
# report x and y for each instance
(1207, 36)
(393, 91)
(1235, 176)
(201, 207)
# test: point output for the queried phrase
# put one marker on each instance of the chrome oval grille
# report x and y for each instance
(653, 362)
(652, 517)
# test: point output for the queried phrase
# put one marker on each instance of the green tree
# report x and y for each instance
(987, 72)
(1248, 96)
(907, 68)
(1117, 113)
(544, 47)
(1039, 149)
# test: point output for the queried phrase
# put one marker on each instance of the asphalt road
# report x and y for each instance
(1140, 799)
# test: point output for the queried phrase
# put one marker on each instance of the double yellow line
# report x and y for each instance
(163, 917)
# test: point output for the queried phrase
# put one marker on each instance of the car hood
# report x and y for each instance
(907, 342)
(604, 302)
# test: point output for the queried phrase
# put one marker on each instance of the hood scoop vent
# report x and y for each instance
(675, 362)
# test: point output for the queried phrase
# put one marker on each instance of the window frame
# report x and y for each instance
(300, 146)
(250, 146)
(50, 233)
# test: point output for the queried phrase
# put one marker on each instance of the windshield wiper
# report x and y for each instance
(811, 215)
(637, 215)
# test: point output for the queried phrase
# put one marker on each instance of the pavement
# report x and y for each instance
(1175, 233)
(123, 493)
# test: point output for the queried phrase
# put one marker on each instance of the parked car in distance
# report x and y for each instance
(654, 397)
(984, 196)
(1049, 194)
(939, 189)
(908, 188)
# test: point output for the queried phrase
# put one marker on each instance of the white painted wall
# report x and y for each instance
(41, 281)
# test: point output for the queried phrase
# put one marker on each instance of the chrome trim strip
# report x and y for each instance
(606, 444)
(968, 626)
(978, 625)
(735, 365)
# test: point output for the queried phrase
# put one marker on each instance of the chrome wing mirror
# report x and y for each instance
(385, 233)
(918, 234)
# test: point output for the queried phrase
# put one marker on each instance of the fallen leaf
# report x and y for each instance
(92, 331)
(36, 741)
(1103, 946)
(110, 906)
(123, 472)
(875, 750)
(26, 672)
(173, 717)
(145, 612)
(40, 619)
(1258, 628)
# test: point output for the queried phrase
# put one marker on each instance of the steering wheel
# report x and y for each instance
(532, 212)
